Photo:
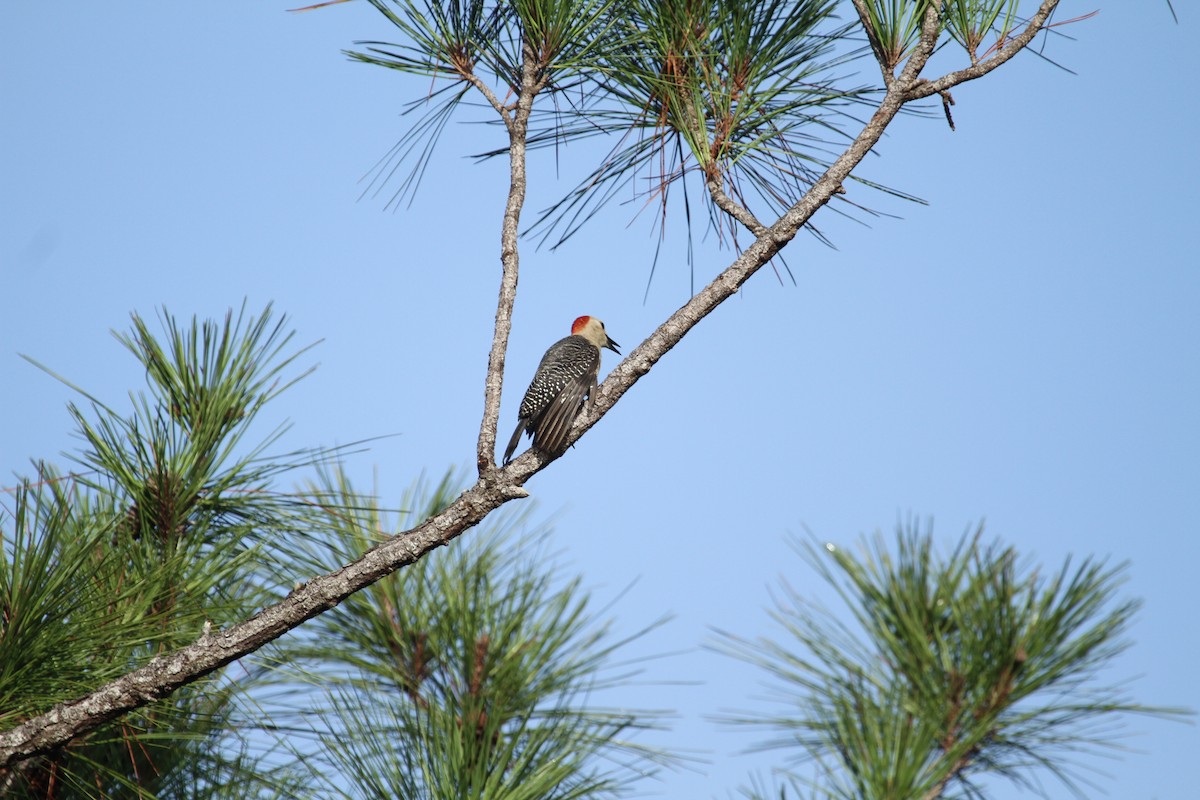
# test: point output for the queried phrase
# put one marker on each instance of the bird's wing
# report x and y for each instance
(551, 428)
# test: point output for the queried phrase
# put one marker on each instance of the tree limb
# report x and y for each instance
(213, 650)
(731, 207)
(490, 96)
(533, 80)
(1015, 45)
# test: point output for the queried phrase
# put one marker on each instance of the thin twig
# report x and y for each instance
(485, 90)
(947, 101)
(733, 208)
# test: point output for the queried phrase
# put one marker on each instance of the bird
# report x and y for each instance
(563, 383)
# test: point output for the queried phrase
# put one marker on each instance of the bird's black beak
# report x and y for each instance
(611, 345)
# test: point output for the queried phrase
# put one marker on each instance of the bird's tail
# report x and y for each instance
(515, 440)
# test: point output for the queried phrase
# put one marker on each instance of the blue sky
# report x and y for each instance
(1023, 350)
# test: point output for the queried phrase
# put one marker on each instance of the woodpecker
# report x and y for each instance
(565, 379)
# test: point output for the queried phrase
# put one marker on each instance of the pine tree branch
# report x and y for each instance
(494, 488)
(533, 80)
(765, 245)
(485, 90)
(731, 207)
(213, 650)
(1015, 45)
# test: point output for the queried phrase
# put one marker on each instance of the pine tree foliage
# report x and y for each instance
(473, 673)
(949, 668)
(154, 539)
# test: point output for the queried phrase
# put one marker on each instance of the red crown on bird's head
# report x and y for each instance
(579, 323)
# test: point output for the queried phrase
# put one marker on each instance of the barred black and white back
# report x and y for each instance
(565, 379)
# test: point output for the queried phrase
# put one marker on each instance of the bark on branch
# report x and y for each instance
(1015, 45)
(533, 80)
(213, 650)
